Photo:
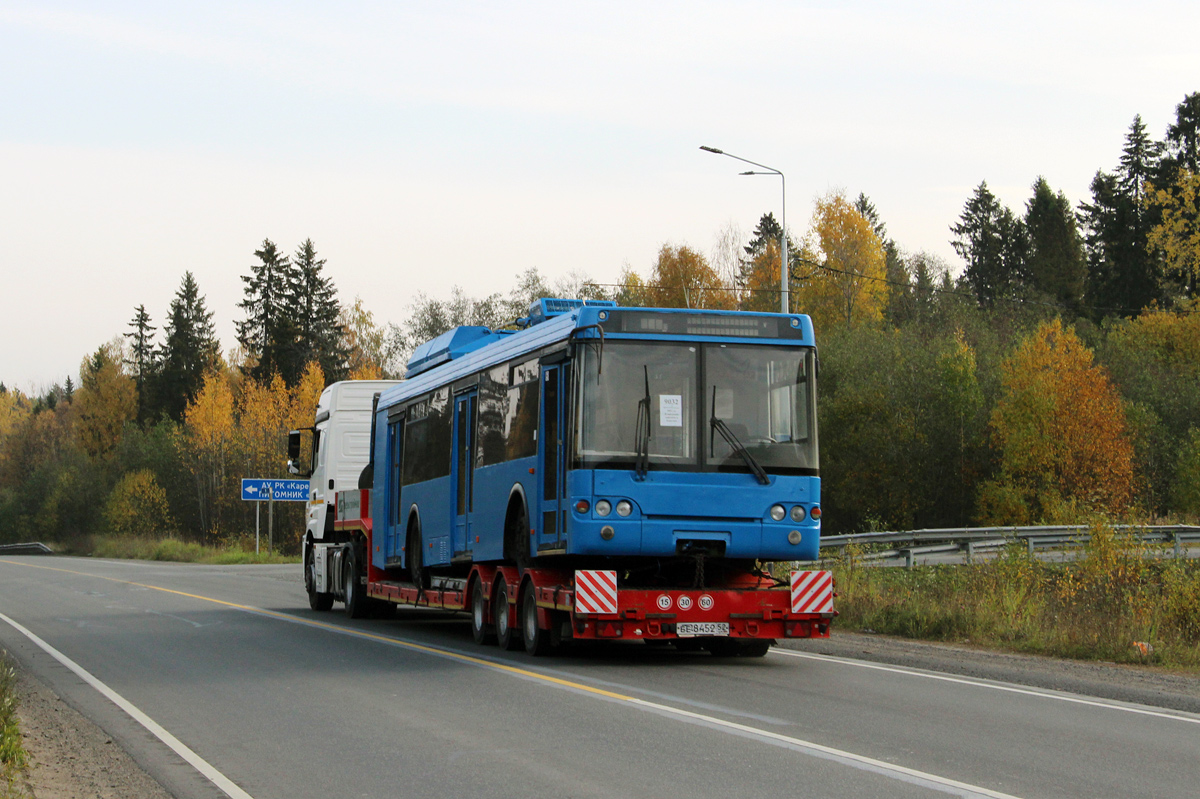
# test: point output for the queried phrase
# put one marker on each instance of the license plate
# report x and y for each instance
(687, 629)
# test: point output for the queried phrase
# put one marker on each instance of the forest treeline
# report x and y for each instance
(1053, 377)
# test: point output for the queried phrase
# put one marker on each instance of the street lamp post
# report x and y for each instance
(783, 251)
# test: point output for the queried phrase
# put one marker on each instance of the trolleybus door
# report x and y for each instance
(550, 449)
(463, 469)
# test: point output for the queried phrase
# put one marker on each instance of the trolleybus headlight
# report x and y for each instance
(798, 513)
(778, 512)
(815, 513)
(606, 532)
(582, 506)
(794, 537)
(603, 507)
(624, 507)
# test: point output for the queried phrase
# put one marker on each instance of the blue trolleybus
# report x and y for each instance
(601, 472)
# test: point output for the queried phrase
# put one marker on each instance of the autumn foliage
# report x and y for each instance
(1061, 432)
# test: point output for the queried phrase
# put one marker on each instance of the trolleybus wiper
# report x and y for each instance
(732, 440)
(642, 462)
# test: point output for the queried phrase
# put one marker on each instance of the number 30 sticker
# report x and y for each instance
(685, 602)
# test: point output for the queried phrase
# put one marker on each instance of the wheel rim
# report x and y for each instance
(502, 612)
(477, 607)
(349, 584)
(531, 625)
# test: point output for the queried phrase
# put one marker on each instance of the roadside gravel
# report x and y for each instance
(72, 758)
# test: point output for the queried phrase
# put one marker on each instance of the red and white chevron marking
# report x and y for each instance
(812, 592)
(595, 591)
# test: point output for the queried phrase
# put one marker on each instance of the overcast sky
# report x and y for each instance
(423, 145)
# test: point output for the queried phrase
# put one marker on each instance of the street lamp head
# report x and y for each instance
(712, 150)
(750, 173)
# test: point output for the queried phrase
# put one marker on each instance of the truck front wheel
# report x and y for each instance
(316, 601)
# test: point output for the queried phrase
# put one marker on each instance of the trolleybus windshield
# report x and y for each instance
(764, 394)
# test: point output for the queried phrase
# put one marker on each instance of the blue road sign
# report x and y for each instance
(260, 489)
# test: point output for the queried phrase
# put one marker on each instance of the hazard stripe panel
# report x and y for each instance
(595, 591)
(812, 592)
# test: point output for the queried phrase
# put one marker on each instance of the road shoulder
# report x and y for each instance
(69, 756)
(1140, 685)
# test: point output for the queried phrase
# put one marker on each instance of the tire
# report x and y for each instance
(537, 640)
(416, 569)
(755, 649)
(507, 636)
(318, 602)
(723, 647)
(481, 631)
(358, 605)
(517, 537)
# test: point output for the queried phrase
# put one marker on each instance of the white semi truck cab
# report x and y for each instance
(335, 450)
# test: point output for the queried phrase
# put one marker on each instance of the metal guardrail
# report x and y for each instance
(970, 540)
(36, 548)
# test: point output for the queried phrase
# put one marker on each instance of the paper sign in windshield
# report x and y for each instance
(670, 410)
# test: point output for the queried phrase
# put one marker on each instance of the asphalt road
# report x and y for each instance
(285, 702)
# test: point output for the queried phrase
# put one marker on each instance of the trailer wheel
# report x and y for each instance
(537, 640)
(754, 649)
(357, 603)
(316, 601)
(481, 631)
(507, 636)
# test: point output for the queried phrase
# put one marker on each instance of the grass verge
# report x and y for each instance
(1120, 601)
(12, 753)
(173, 549)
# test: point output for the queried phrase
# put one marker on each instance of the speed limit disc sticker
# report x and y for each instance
(705, 602)
(685, 602)
(664, 602)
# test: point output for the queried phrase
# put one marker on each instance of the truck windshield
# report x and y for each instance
(764, 395)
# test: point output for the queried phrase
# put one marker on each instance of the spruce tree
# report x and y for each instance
(1056, 262)
(994, 243)
(142, 356)
(190, 349)
(315, 319)
(268, 333)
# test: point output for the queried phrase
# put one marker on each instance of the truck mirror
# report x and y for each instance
(293, 448)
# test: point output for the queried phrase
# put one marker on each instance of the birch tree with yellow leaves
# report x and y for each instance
(845, 282)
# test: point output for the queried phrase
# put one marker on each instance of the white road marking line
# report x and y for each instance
(200, 764)
(861, 762)
(1013, 689)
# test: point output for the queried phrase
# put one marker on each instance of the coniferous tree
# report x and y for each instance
(1056, 262)
(315, 315)
(1123, 275)
(190, 349)
(994, 243)
(142, 356)
(268, 331)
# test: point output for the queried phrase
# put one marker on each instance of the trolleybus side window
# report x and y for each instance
(427, 438)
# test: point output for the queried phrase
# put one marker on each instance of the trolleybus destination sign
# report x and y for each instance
(261, 489)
